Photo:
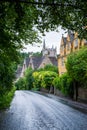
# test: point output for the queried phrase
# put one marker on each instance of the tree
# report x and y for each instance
(50, 67)
(77, 65)
(65, 84)
(38, 54)
(46, 78)
(29, 78)
(37, 80)
(7, 71)
(15, 28)
(48, 15)
(57, 83)
(20, 21)
(21, 84)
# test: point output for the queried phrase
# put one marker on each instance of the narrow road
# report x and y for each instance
(32, 111)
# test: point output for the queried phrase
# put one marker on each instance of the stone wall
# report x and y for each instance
(57, 92)
(44, 90)
(82, 94)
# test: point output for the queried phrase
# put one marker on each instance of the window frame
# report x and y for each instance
(76, 43)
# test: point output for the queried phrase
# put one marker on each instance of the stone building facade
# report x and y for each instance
(69, 44)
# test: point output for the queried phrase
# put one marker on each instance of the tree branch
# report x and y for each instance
(43, 3)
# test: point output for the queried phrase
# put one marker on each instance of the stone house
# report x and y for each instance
(69, 44)
(49, 56)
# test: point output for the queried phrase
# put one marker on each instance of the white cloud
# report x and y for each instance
(51, 38)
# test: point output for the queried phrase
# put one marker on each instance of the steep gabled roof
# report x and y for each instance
(53, 60)
(18, 72)
(64, 40)
(27, 61)
(71, 35)
(36, 60)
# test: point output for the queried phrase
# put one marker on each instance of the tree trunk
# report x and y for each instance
(51, 89)
(75, 90)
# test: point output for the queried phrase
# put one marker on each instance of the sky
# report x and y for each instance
(52, 38)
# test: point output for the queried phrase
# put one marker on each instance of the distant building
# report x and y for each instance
(49, 56)
(50, 52)
(68, 44)
(18, 72)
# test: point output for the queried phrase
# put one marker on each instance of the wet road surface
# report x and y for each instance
(32, 111)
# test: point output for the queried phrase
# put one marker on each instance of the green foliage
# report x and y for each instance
(77, 65)
(45, 15)
(7, 69)
(26, 82)
(48, 15)
(21, 84)
(57, 83)
(23, 55)
(44, 78)
(50, 67)
(66, 85)
(6, 98)
(19, 23)
(29, 78)
(13, 23)
(35, 89)
(37, 54)
(37, 80)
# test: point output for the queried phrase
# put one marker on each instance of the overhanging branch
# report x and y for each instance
(43, 3)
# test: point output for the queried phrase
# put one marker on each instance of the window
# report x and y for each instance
(62, 48)
(62, 61)
(44, 64)
(76, 43)
(24, 66)
(62, 73)
(68, 46)
(85, 41)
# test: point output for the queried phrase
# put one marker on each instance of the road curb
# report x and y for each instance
(75, 104)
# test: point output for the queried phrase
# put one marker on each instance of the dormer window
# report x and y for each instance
(85, 42)
(68, 46)
(62, 48)
(24, 66)
(62, 61)
(76, 43)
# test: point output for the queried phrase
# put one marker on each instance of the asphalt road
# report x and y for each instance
(32, 111)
